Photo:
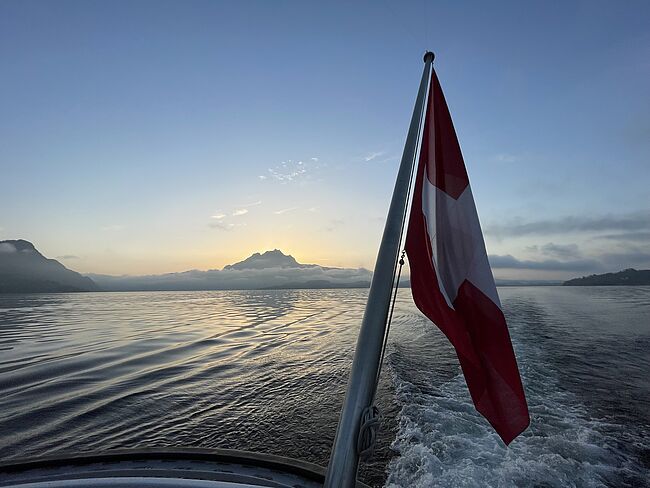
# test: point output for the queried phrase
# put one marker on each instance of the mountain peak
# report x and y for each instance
(268, 259)
(25, 270)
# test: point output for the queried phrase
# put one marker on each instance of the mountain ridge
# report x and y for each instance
(626, 277)
(23, 269)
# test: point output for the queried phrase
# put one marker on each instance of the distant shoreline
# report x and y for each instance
(24, 270)
(247, 289)
(627, 277)
(553, 285)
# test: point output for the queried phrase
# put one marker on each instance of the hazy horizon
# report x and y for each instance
(297, 275)
(163, 136)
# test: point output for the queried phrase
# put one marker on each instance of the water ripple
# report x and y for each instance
(267, 371)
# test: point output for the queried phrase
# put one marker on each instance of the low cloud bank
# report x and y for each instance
(575, 262)
(601, 243)
(632, 222)
(510, 262)
(7, 247)
(246, 279)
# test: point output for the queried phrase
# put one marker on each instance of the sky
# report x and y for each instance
(150, 137)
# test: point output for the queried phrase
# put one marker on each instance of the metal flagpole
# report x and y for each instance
(344, 460)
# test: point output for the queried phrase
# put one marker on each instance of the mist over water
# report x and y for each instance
(267, 370)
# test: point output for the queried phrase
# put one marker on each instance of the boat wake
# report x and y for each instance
(443, 441)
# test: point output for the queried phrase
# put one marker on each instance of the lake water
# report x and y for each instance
(267, 370)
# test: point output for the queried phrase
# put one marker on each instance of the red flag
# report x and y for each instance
(451, 279)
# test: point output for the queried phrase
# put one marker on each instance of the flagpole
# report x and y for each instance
(344, 460)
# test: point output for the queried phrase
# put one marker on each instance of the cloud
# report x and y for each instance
(373, 155)
(633, 236)
(68, 256)
(567, 257)
(633, 222)
(285, 210)
(7, 247)
(220, 225)
(238, 279)
(292, 171)
(262, 177)
(510, 262)
(615, 242)
(561, 251)
(286, 176)
(628, 258)
(506, 158)
(218, 216)
(376, 157)
(334, 224)
(251, 204)
(112, 228)
(240, 211)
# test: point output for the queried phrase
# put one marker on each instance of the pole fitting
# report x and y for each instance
(429, 56)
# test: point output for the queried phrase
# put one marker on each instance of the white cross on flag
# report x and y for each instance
(451, 279)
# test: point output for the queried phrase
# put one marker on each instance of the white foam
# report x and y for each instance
(443, 441)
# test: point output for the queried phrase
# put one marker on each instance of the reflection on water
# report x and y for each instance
(256, 370)
(267, 370)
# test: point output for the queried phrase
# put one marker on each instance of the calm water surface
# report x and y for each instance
(267, 370)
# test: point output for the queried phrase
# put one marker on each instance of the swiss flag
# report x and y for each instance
(451, 279)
